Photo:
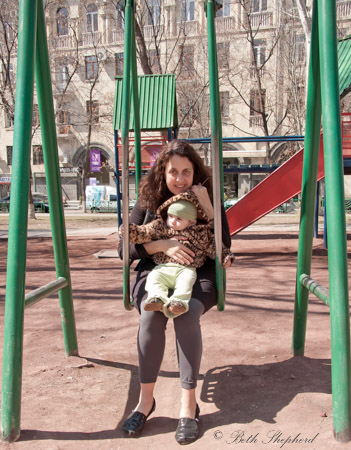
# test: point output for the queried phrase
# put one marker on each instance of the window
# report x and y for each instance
(300, 48)
(259, 48)
(62, 22)
(62, 77)
(225, 10)
(259, 5)
(187, 115)
(63, 118)
(223, 55)
(91, 67)
(92, 107)
(92, 18)
(187, 61)
(10, 32)
(154, 62)
(256, 109)
(35, 117)
(154, 12)
(188, 10)
(120, 14)
(119, 61)
(9, 119)
(224, 98)
(7, 74)
(38, 157)
(9, 149)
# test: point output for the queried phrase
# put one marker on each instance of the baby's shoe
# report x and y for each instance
(153, 304)
(176, 308)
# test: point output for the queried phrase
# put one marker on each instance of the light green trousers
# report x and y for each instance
(171, 276)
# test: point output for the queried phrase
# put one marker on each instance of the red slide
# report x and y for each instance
(279, 187)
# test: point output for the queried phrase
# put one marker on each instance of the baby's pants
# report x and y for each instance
(151, 344)
(171, 276)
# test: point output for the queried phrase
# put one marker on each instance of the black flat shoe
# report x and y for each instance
(136, 421)
(188, 429)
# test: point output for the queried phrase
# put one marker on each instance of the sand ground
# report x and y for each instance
(252, 392)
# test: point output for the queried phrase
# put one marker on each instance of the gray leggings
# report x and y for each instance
(151, 344)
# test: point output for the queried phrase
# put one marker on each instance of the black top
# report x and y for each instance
(205, 286)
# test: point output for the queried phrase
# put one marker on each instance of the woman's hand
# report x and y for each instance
(227, 264)
(204, 199)
(172, 248)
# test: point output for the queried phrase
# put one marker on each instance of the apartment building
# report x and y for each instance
(261, 50)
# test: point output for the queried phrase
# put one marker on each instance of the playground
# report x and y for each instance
(253, 392)
(251, 388)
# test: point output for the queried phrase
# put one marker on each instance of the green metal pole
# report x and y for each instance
(337, 252)
(137, 135)
(129, 16)
(216, 147)
(48, 134)
(309, 183)
(17, 240)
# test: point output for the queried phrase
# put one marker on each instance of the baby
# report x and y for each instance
(178, 216)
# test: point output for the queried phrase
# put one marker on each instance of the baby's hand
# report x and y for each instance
(228, 261)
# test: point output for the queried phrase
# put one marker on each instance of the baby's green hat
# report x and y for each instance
(184, 209)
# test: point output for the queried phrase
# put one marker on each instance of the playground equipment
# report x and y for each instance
(32, 48)
(130, 96)
(323, 99)
(279, 187)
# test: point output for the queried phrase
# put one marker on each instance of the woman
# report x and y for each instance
(177, 168)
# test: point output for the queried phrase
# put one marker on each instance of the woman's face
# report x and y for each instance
(179, 174)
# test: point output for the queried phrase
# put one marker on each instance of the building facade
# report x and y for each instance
(261, 51)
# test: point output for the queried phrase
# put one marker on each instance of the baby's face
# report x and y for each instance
(176, 223)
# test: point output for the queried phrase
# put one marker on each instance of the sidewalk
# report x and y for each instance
(79, 224)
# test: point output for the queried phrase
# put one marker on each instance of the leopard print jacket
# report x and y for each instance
(199, 237)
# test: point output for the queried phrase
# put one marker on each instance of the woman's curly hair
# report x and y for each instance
(153, 190)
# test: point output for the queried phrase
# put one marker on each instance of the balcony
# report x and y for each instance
(256, 121)
(224, 24)
(91, 38)
(150, 31)
(261, 71)
(261, 19)
(343, 9)
(189, 28)
(117, 36)
(62, 42)
(63, 130)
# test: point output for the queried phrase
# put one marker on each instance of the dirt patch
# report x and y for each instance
(252, 393)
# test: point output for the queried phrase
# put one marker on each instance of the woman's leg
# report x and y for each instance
(189, 350)
(151, 345)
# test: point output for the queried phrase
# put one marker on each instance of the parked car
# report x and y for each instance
(40, 202)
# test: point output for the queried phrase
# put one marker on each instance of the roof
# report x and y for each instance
(344, 63)
(157, 103)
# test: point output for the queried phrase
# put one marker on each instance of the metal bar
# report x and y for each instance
(118, 190)
(135, 97)
(309, 181)
(316, 213)
(337, 251)
(18, 222)
(216, 150)
(248, 139)
(317, 289)
(129, 16)
(52, 171)
(44, 291)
